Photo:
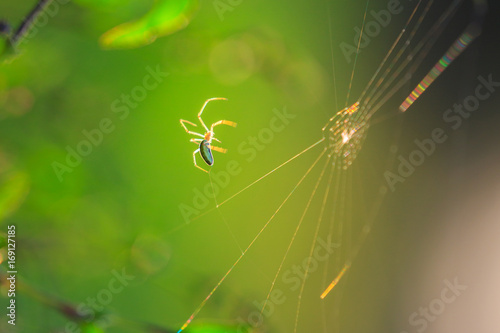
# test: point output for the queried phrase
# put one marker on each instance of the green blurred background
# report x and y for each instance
(121, 207)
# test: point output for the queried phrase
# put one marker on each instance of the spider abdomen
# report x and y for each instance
(206, 152)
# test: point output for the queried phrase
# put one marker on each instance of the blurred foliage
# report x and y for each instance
(164, 18)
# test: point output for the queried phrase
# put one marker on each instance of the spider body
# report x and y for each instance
(206, 152)
(204, 141)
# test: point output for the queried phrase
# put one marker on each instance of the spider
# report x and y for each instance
(205, 141)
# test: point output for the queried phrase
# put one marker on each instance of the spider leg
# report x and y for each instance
(203, 108)
(222, 122)
(194, 160)
(219, 149)
(190, 132)
(196, 140)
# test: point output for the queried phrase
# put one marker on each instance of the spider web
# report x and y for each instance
(336, 196)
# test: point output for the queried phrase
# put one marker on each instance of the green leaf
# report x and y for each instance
(165, 18)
